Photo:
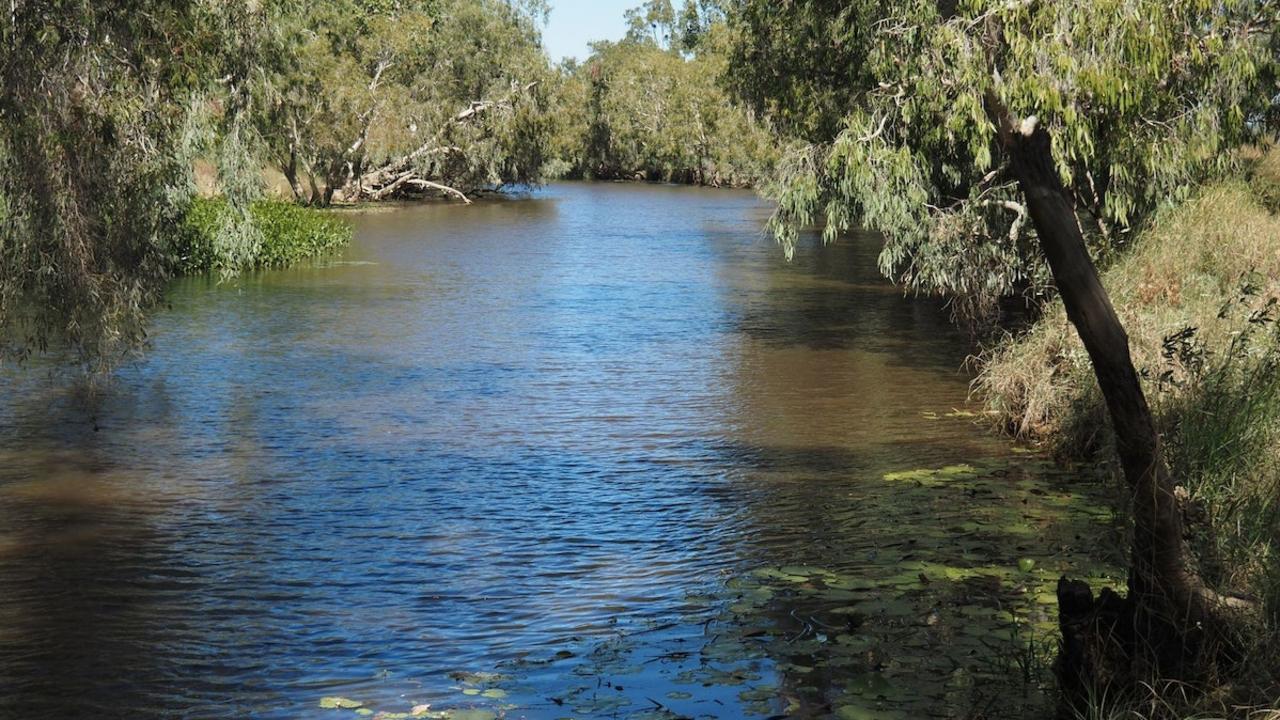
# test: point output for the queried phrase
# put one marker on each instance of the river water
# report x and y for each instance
(599, 451)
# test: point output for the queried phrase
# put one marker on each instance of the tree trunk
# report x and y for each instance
(1176, 620)
(1158, 562)
(316, 197)
(290, 169)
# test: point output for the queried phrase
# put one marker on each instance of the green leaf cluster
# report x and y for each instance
(287, 234)
(1144, 100)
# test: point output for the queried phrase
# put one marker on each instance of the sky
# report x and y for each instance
(574, 23)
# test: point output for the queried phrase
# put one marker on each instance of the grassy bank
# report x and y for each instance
(1200, 295)
(282, 234)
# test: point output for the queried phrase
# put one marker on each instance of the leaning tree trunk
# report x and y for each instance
(1171, 623)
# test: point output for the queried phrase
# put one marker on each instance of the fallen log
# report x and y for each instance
(393, 177)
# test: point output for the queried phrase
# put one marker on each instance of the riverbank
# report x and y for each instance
(658, 176)
(1199, 294)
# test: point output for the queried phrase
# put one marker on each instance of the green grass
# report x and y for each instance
(284, 234)
(1199, 294)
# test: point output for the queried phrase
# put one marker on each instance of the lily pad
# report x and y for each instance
(339, 703)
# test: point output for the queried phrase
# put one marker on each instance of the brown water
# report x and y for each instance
(597, 452)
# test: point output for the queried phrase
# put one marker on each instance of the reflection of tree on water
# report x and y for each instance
(78, 579)
(97, 582)
(833, 297)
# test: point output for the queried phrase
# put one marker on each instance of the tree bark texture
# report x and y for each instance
(1176, 623)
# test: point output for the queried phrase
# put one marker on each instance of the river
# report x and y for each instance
(598, 451)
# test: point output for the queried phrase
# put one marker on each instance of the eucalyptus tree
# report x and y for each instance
(1143, 99)
(104, 105)
(653, 21)
(659, 22)
(981, 138)
(381, 98)
(654, 107)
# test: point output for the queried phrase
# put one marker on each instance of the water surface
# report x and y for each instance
(595, 452)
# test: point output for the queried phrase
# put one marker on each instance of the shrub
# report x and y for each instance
(285, 234)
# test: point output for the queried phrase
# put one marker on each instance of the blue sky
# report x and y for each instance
(574, 23)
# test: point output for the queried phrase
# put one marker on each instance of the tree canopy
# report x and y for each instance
(1142, 99)
(103, 108)
(651, 106)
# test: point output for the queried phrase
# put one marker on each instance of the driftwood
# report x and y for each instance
(401, 174)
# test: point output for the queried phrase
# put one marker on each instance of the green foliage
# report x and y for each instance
(103, 108)
(659, 23)
(359, 83)
(801, 62)
(285, 235)
(653, 113)
(1143, 99)
(653, 21)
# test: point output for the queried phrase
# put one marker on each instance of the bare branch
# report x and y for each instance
(384, 181)
(872, 136)
(428, 185)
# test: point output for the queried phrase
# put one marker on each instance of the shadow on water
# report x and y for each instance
(598, 452)
(80, 565)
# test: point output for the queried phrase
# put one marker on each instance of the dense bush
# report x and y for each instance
(286, 233)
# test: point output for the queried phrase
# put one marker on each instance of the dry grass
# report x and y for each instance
(1180, 274)
(206, 177)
